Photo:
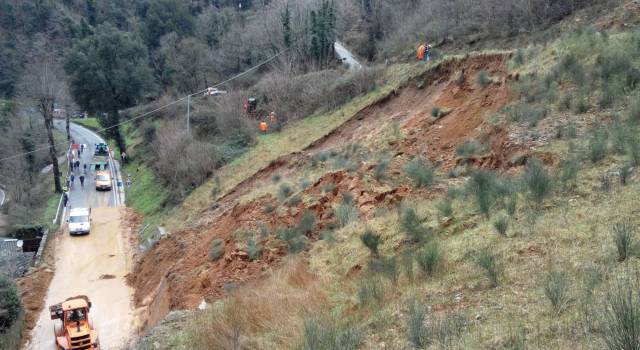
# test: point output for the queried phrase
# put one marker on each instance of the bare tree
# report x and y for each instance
(43, 83)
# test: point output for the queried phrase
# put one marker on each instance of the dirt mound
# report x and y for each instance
(178, 266)
(33, 290)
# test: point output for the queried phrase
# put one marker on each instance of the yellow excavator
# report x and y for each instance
(75, 331)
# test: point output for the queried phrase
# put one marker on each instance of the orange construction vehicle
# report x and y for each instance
(75, 331)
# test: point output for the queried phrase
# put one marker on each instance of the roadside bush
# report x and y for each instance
(487, 263)
(10, 305)
(253, 248)
(623, 235)
(537, 180)
(429, 259)
(501, 224)
(411, 225)
(216, 250)
(445, 207)
(371, 240)
(420, 172)
(556, 289)
(597, 147)
(621, 316)
(483, 78)
(327, 333)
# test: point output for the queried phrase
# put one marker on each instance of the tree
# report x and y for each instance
(43, 83)
(187, 62)
(108, 71)
(163, 17)
(286, 26)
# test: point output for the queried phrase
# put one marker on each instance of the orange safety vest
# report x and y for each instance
(421, 52)
(264, 127)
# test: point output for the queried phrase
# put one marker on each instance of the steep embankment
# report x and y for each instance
(179, 266)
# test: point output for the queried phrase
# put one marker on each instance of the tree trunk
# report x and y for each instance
(67, 126)
(117, 135)
(47, 113)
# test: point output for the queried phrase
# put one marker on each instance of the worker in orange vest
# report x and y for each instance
(421, 52)
(264, 127)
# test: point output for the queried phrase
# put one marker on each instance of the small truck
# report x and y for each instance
(79, 221)
(75, 330)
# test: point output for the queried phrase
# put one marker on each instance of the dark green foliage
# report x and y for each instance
(581, 105)
(293, 200)
(108, 71)
(483, 78)
(634, 110)
(284, 191)
(519, 57)
(625, 173)
(556, 289)
(620, 135)
(429, 259)
(216, 251)
(296, 242)
(512, 204)
(165, 16)
(569, 172)
(285, 19)
(381, 168)
(254, 250)
(623, 236)
(448, 328)
(621, 316)
(571, 68)
(486, 188)
(307, 223)
(326, 333)
(387, 267)
(597, 147)
(322, 32)
(537, 180)
(371, 240)
(445, 207)
(468, 149)
(501, 224)
(633, 150)
(487, 262)
(421, 172)
(523, 112)
(566, 102)
(436, 112)
(276, 178)
(411, 225)
(10, 304)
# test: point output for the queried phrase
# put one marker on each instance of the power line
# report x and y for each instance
(164, 106)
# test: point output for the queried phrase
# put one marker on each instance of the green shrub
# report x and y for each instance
(411, 225)
(326, 333)
(435, 112)
(468, 149)
(387, 267)
(634, 110)
(371, 240)
(276, 178)
(264, 230)
(608, 95)
(429, 259)
(501, 224)
(417, 332)
(556, 289)
(448, 328)
(420, 172)
(254, 250)
(623, 235)
(519, 57)
(487, 263)
(621, 316)
(512, 205)
(294, 240)
(483, 78)
(327, 188)
(625, 173)
(569, 173)
(307, 223)
(381, 168)
(407, 262)
(10, 304)
(482, 185)
(216, 250)
(537, 180)
(370, 292)
(346, 214)
(597, 147)
(445, 207)
(294, 200)
(523, 112)
(633, 150)
(284, 191)
(581, 105)
(566, 101)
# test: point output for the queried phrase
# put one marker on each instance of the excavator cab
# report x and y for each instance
(75, 331)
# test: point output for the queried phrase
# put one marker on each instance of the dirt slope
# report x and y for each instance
(177, 273)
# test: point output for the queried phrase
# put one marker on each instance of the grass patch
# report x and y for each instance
(146, 195)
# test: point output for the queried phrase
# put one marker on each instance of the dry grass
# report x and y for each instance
(265, 316)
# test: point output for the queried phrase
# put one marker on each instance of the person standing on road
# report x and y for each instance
(65, 198)
(82, 181)
(72, 177)
(123, 156)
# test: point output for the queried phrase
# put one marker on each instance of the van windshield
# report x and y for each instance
(102, 177)
(79, 218)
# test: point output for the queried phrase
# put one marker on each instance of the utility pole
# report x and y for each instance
(188, 112)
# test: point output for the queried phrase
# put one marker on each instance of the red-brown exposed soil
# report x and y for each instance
(178, 265)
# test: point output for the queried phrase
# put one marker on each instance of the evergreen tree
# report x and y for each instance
(286, 26)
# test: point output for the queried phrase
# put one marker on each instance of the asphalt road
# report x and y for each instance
(94, 265)
(3, 196)
(346, 56)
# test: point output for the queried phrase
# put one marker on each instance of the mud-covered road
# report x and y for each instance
(94, 265)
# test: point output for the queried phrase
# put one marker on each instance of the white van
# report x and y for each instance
(79, 221)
